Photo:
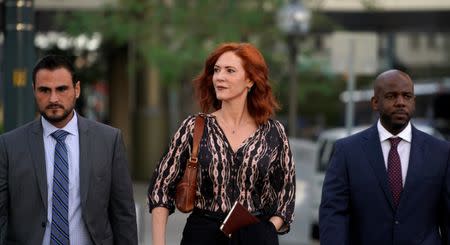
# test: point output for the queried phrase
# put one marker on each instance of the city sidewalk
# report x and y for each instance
(140, 198)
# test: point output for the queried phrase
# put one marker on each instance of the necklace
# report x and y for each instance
(234, 129)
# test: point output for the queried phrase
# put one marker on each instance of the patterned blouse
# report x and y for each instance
(260, 174)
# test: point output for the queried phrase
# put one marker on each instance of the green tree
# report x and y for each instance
(176, 37)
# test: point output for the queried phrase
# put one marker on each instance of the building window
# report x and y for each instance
(432, 40)
(414, 41)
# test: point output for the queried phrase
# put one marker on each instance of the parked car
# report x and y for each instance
(325, 144)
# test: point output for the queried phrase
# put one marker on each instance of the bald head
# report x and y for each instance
(389, 75)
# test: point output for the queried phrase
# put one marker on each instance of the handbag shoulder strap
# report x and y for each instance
(198, 133)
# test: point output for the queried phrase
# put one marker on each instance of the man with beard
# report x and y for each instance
(64, 179)
(388, 184)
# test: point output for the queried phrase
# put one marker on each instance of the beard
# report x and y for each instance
(54, 117)
(392, 124)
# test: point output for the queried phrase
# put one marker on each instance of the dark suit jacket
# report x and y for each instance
(357, 206)
(105, 185)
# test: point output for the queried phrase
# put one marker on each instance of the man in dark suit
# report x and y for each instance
(64, 179)
(389, 184)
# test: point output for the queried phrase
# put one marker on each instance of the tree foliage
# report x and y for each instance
(176, 36)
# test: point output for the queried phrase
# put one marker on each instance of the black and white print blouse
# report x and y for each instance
(260, 174)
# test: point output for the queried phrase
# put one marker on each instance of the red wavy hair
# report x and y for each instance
(260, 100)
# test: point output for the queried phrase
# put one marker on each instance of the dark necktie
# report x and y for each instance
(395, 171)
(60, 207)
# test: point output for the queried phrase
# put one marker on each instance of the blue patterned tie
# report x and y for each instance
(60, 208)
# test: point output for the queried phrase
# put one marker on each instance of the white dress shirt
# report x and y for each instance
(403, 148)
(77, 229)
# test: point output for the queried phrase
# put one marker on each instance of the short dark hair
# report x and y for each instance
(53, 62)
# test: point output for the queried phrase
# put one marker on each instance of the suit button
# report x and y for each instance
(396, 222)
(44, 224)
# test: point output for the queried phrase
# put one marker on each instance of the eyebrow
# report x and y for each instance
(58, 87)
(226, 66)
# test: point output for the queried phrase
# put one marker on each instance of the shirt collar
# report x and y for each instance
(71, 126)
(405, 134)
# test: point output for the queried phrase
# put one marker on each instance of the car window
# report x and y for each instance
(320, 167)
(325, 150)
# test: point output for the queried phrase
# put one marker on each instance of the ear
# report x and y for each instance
(77, 89)
(250, 83)
(374, 103)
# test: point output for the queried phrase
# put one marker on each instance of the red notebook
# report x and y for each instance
(237, 218)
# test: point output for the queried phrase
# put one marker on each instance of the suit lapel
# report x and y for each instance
(415, 166)
(372, 148)
(85, 165)
(37, 149)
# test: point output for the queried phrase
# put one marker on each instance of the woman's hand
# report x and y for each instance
(277, 222)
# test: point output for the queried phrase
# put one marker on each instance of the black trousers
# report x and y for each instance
(205, 230)
(202, 230)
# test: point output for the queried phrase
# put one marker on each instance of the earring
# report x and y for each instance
(249, 89)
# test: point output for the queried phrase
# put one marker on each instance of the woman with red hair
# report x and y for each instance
(244, 155)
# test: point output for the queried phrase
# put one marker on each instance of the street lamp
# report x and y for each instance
(293, 20)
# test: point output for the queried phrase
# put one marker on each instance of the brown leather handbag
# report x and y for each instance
(187, 187)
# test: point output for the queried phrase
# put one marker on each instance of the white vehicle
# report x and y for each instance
(325, 144)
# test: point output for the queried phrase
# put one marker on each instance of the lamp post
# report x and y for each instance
(293, 20)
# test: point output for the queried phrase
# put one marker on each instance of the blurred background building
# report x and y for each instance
(136, 59)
